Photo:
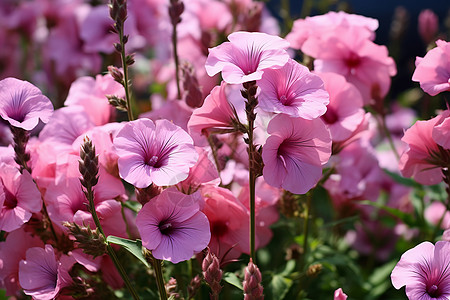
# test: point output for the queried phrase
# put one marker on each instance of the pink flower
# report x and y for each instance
(424, 270)
(436, 213)
(318, 26)
(246, 56)
(215, 116)
(19, 197)
(41, 275)
(350, 53)
(428, 25)
(339, 294)
(433, 70)
(172, 226)
(22, 104)
(91, 94)
(344, 112)
(293, 90)
(441, 130)
(422, 158)
(159, 153)
(228, 219)
(295, 152)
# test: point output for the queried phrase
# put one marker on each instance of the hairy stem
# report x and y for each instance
(126, 84)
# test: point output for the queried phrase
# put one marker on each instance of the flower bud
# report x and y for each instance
(428, 25)
(212, 272)
(253, 289)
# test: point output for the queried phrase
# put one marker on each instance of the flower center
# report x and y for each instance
(152, 161)
(352, 62)
(10, 199)
(166, 228)
(219, 228)
(330, 117)
(433, 291)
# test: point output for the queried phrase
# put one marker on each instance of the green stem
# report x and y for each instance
(252, 183)
(306, 227)
(109, 248)
(159, 278)
(175, 57)
(214, 153)
(125, 74)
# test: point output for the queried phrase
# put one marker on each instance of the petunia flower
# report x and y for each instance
(293, 90)
(159, 153)
(22, 104)
(441, 131)
(172, 226)
(433, 70)
(245, 57)
(425, 272)
(42, 275)
(294, 153)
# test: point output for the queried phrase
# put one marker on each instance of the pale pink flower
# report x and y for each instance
(19, 197)
(436, 213)
(245, 57)
(215, 116)
(22, 104)
(228, 221)
(295, 152)
(422, 158)
(42, 275)
(322, 25)
(293, 90)
(339, 294)
(177, 112)
(159, 153)
(91, 93)
(12, 250)
(344, 112)
(433, 70)
(350, 53)
(441, 130)
(428, 25)
(424, 270)
(172, 226)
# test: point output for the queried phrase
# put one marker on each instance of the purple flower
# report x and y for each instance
(22, 104)
(159, 153)
(41, 275)
(293, 90)
(425, 271)
(172, 225)
(245, 57)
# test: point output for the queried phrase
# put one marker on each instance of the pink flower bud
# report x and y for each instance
(428, 25)
(212, 273)
(253, 289)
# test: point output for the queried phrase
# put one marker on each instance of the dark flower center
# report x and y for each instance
(10, 199)
(352, 62)
(330, 117)
(434, 291)
(166, 228)
(219, 228)
(154, 161)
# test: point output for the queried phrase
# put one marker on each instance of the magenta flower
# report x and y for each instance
(295, 152)
(22, 104)
(19, 197)
(245, 57)
(41, 275)
(425, 272)
(433, 70)
(293, 90)
(172, 226)
(159, 153)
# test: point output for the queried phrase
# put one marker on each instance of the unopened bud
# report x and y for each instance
(116, 74)
(428, 25)
(176, 8)
(118, 46)
(194, 286)
(118, 102)
(192, 92)
(314, 270)
(129, 59)
(88, 165)
(146, 194)
(212, 272)
(92, 242)
(253, 289)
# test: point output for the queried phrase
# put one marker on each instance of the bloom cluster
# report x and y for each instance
(175, 154)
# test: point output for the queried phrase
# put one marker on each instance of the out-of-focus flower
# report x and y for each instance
(22, 104)
(294, 153)
(339, 294)
(293, 90)
(42, 275)
(159, 153)
(344, 112)
(19, 197)
(245, 57)
(441, 130)
(350, 53)
(424, 271)
(433, 70)
(172, 226)
(428, 25)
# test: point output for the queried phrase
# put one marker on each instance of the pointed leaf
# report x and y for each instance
(134, 247)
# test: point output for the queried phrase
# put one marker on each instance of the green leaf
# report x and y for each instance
(382, 273)
(134, 247)
(402, 180)
(232, 279)
(406, 218)
(279, 286)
